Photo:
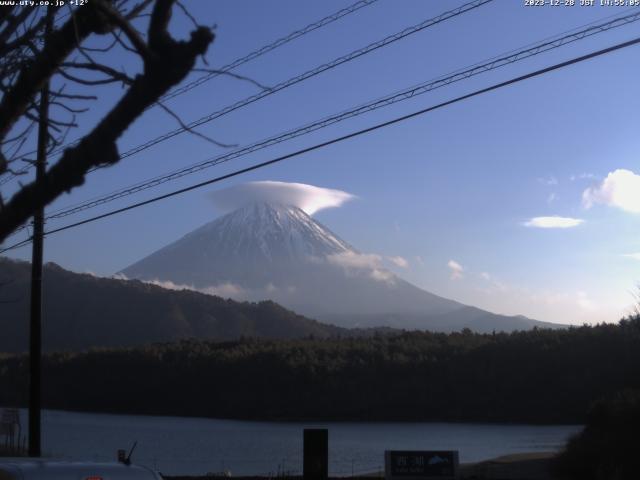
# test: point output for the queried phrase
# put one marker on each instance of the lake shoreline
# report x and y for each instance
(518, 466)
(187, 446)
(309, 420)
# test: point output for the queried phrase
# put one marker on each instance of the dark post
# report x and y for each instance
(35, 332)
(315, 464)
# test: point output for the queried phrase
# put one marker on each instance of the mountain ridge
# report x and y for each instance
(81, 311)
(268, 250)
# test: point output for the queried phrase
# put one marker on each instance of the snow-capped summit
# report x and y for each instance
(279, 232)
(248, 247)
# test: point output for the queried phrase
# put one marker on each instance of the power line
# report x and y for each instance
(264, 49)
(357, 133)
(234, 64)
(406, 94)
(272, 46)
(304, 76)
(309, 74)
(17, 245)
(294, 80)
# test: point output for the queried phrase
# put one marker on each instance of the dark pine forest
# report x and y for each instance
(537, 376)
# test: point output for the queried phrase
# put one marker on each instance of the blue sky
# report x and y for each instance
(452, 192)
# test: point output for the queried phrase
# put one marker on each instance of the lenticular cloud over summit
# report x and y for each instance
(308, 198)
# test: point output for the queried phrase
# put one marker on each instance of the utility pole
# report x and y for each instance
(35, 331)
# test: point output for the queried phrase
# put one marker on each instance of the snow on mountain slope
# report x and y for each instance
(248, 247)
(277, 232)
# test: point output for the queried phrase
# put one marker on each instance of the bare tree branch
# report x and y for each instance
(13, 23)
(136, 40)
(187, 14)
(191, 130)
(98, 67)
(67, 107)
(233, 75)
(104, 81)
(137, 10)
(166, 64)
(59, 45)
(73, 96)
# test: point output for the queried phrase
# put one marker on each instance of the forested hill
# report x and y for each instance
(82, 311)
(539, 376)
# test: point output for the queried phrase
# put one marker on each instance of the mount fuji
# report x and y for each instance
(276, 251)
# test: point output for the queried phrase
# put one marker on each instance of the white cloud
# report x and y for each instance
(168, 284)
(399, 261)
(620, 189)
(225, 290)
(309, 198)
(351, 259)
(584, 301)
(457, 271)
(494, 284)
(568, 307)
(582, 176)
(420, 260)
(369, 263)
(382, 275)
(551, 197)
(549, 181)
(553, 222)
(564, 300)
(635, 256)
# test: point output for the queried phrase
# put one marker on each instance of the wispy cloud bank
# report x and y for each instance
(493, 282)
(368, 263)
(584, 302)
(568, 306)
(457, 271)
(309, 198)
(553, 222)
(549, 181)
(582, 176)
(620, 189)
(355, 260)
(225, 290)
(399, 261)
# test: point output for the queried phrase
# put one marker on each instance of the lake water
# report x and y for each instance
(176, 445)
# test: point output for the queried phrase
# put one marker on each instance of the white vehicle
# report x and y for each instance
(43, 469)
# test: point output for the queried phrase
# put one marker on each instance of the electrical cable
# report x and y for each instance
(406, 94)
(357, 133)
(230, 66)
